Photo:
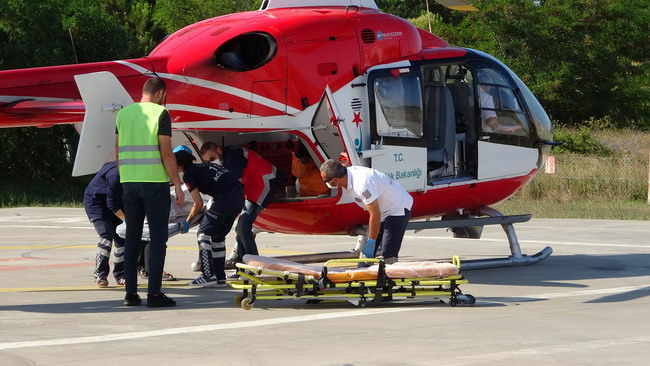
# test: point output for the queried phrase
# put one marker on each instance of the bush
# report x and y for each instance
(581, 140)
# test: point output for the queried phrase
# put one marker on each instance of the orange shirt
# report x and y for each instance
(311, 183)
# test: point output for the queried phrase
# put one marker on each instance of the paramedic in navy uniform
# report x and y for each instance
(388, 204)
(260, 179)
(103, 204)
(228, 200)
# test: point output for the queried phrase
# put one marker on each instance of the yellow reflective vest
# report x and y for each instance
(138, 147)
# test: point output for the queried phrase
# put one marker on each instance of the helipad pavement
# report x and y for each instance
(587, 304)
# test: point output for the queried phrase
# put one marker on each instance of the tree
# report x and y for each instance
(138, 20)
(38, 33)
(172, 15)
(582, 58)
(403, 8)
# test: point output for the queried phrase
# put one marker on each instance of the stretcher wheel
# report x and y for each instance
(238, 299)
(246, 304)
(467, 299)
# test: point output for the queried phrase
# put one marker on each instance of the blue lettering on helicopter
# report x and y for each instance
(406, 174)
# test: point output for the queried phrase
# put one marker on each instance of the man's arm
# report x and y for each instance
(169, 161)
(375, 219)
(114, 194)
(198, 205)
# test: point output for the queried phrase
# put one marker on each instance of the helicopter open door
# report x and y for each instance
(399, 146)
(506, 146)
(332, 137)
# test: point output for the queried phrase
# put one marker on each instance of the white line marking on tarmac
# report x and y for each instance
(47, 227)
(306, 318)
(204, 328)
(59, 220)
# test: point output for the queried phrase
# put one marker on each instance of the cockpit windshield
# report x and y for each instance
(500, 110)
(540, 119)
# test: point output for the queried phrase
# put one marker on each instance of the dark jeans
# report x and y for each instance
(245, 238)
(391, 234)
(150, 200)
(105, 228)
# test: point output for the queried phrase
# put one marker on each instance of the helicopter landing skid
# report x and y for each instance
(495, 217)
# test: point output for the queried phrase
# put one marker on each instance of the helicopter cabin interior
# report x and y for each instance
(278, 148)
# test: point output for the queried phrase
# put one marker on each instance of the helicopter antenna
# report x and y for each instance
(73, 49)
(428, 16)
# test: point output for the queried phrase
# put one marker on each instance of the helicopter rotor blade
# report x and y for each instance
(461, 5)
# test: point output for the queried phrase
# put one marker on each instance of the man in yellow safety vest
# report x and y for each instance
(146, 165)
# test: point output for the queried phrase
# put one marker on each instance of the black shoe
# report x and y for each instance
(132, 300)
(160, 301)
(230, 263)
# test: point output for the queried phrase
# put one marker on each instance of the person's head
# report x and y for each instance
(211, 152)
(302, 153)
(184, 157)
(485, 80)
(154, 91)
(334, 174)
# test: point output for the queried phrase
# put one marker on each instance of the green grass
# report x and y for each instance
(67, 193)
(592, 178)
(590, 187)
(581, 209)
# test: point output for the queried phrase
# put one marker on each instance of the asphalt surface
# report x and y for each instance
(586, 304)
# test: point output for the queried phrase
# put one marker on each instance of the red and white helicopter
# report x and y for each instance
(343, 78)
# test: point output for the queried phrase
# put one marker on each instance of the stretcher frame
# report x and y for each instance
(258, 283)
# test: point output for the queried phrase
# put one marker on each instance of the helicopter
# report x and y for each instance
(454, 126)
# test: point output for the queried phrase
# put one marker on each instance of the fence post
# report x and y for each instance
(648, 177)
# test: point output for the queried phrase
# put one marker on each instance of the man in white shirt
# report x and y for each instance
(488, 114)
(388, 204)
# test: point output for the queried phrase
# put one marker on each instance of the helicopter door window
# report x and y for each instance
(500, 111)
(399, 106)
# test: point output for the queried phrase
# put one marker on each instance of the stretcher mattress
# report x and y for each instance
(424, 269)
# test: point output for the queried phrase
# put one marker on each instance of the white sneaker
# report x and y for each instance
(203, 281)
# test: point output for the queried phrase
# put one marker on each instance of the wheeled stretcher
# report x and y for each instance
(265, 278)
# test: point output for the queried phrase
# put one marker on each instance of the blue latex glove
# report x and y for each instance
(369, 248)
(185, 227)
